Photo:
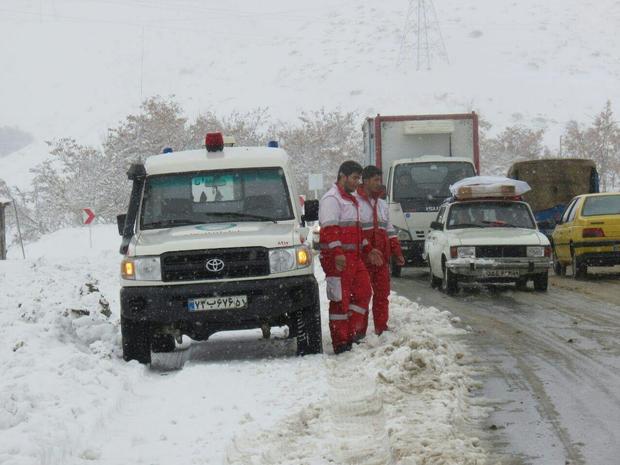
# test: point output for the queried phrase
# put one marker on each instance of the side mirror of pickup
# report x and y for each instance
(436, 225)
(120, 222)
(311, 211)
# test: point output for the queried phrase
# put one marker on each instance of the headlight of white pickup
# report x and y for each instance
(403, 234)
(289, 258)
(466, 252)
(141, 268)
(535, 252)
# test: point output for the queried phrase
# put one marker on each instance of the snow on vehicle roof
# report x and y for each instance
(433, 158)
(488, 186)
(230, 157)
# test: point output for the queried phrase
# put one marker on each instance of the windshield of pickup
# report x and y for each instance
(490, 214)
(421, 185)
(179, 199)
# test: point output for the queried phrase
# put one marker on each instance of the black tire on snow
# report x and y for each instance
(162, 343)
(558, 268)
(521, 283)
(396, 270)
(579, 270)
(434, 281)
(308, 330)
(136, 340)
(449, 283)
(541, 281)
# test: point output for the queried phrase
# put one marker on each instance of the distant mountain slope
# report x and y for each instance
(77, 67)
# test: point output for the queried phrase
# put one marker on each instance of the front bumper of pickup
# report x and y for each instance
(269, 301)
(498, 269)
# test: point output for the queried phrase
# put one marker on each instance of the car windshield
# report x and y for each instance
(490, 215)
(179, 199)
(601, 205)
(419, 185)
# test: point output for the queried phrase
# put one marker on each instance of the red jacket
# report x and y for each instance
(339, 219)
(376, 225)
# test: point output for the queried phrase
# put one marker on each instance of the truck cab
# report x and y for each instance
(416, 189)
(421, 155)
(215, 240)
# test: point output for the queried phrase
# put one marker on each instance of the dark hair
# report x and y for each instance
(370, 172)
(348, 168)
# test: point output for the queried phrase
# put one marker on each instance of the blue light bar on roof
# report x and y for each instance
(167, 150)
(273, 144)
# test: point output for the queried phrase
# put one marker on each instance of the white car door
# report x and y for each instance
(432, 245)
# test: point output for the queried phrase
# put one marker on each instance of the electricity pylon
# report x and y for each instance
(422, 38)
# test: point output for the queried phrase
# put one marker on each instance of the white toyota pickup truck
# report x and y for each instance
(214, 240)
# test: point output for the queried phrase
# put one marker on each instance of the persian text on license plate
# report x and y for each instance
(217, 303)
(500, 274)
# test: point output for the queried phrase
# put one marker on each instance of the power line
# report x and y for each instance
(422, 36)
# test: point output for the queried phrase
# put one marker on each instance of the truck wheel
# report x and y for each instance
(136, 340)
(162, 343)
(396, 270)
(541, 281)
(450, 281)
(308, 330)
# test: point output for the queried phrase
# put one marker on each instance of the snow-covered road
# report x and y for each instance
(552, 362)
(67, 397)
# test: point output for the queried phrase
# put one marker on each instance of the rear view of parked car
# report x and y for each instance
(588, 234)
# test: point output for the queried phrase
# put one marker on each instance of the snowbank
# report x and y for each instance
(402, 397)
(66, 396)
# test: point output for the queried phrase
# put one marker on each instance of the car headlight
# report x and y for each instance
(141, 268)
(403, 234)
(289, 258)
(463, 252)
(537, 251)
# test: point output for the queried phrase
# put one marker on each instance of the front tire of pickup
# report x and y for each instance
(449, 283)
(308, 330)
(541, 281)
(162, 343)
(136, 337)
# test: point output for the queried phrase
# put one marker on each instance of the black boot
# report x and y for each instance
(342, 348)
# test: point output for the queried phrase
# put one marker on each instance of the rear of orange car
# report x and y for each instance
(596, 232)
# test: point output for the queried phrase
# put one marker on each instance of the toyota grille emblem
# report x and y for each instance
(214, 265)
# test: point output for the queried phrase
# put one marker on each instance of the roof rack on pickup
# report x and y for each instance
(488, 187)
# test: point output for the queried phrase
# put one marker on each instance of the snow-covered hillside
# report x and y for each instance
(67, 397)
(75, 68)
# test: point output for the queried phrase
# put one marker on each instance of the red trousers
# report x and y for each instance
(380, 281)
(349, 294)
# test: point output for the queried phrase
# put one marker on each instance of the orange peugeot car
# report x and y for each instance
(588, 234)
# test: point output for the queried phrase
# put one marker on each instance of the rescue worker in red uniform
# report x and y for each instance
(342, 245)
(381, 235)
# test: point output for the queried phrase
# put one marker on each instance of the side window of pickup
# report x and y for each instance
(440, 215)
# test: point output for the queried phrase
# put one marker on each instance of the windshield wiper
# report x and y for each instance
(500, 224)
(465, 225)
(244, 215)
(169, 223)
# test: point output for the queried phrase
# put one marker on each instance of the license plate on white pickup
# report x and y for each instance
(500, 274)
(228, 302)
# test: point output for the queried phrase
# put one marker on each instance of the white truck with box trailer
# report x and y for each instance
(421, 156)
